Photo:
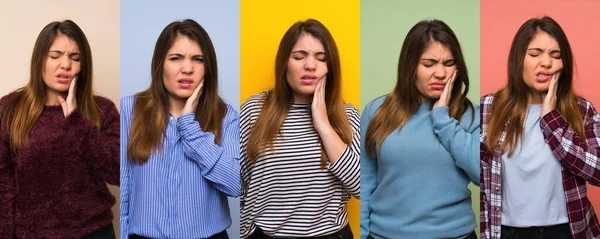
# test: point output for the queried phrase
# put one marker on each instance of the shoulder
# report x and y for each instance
(10, 98)
(351, 111)
(583, 102)
(107, 107)
(487, 99)
(373, 105)
(353, 116)
(486, 103)
(588, 111)
(231, 114)
(104, 102)
(126, 104)
(471, 117)
(254, 102)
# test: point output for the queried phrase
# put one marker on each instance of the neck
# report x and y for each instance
(300, 99)
(535, 98)
(52, 97)
(176, 106)
(425, 99)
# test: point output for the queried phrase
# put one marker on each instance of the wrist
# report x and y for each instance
(324, 128)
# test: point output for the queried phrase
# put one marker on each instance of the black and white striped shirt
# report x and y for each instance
(286, 192)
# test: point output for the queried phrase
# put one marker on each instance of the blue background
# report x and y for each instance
(141, 24)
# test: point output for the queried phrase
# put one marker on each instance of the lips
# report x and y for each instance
(438, 85)
(543, 76)
(308, 79)
(63, 78)
(185, 82)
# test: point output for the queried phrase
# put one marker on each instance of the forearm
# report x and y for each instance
(332, 143)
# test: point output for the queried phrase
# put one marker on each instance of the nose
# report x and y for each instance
(65, 63)
(310, 64)
(546, 61)
(187, 67)
(440, 72)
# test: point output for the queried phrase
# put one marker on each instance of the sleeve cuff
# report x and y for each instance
(188, 125)
(190, 131)
(341, 162)
(552, 121)
(441, 117)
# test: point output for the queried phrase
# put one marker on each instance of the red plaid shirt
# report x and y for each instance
(580, 162)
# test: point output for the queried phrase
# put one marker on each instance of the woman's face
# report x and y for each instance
(307, 66)
(542, 61)
(62, 64)
(435, 67)
(183, 69)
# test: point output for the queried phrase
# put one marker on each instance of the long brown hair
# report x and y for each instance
(277, 101)
(151, 107)
(509, 106)
(20, 117)
(405, 99)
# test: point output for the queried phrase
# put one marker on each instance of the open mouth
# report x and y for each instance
(185, 83)
(543, 76)
(63, 78)
(308, 79)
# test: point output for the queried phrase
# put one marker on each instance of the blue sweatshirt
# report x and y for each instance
(416, 185)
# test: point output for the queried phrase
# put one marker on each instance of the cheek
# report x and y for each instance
(451, 70)
(323, 67)
(168, 73)
(49, 71)
(529, 65)
(77, 67)
(559, 64)
(293, 68)
(423, 75)
(50, 67)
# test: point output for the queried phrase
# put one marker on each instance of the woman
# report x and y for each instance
(59, 145)
(179, 144)
(300, 144)
(423, 133)
(539, 144)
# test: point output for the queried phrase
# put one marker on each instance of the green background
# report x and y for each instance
(384, 25)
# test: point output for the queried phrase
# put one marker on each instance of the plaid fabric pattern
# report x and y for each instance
(579, 158)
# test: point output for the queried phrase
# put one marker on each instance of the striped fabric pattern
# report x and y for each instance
(579, 158)
(182, 191)
(286, 192)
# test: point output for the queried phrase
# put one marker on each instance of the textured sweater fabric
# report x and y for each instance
(416, 185)
(56, 187)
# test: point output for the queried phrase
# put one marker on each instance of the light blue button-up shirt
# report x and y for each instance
(181, 191)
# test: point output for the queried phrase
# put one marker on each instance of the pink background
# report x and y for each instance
(580, 20)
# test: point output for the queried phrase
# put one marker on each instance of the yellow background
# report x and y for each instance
(262, 25)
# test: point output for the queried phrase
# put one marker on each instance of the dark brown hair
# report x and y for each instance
(151, 107)
(20, 117)
(278, 100)
(509, 106)
(405, 99)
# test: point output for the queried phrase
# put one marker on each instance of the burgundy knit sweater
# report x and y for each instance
(55, 188)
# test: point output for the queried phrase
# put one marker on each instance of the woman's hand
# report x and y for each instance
(318, 107)
(192, 103)
(549, 103)
(444, 99)
(70, 103)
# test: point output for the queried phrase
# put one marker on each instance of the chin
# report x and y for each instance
(182, 95)
(434, 96)
(541, 88)
(59, 88)
(307, 90)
